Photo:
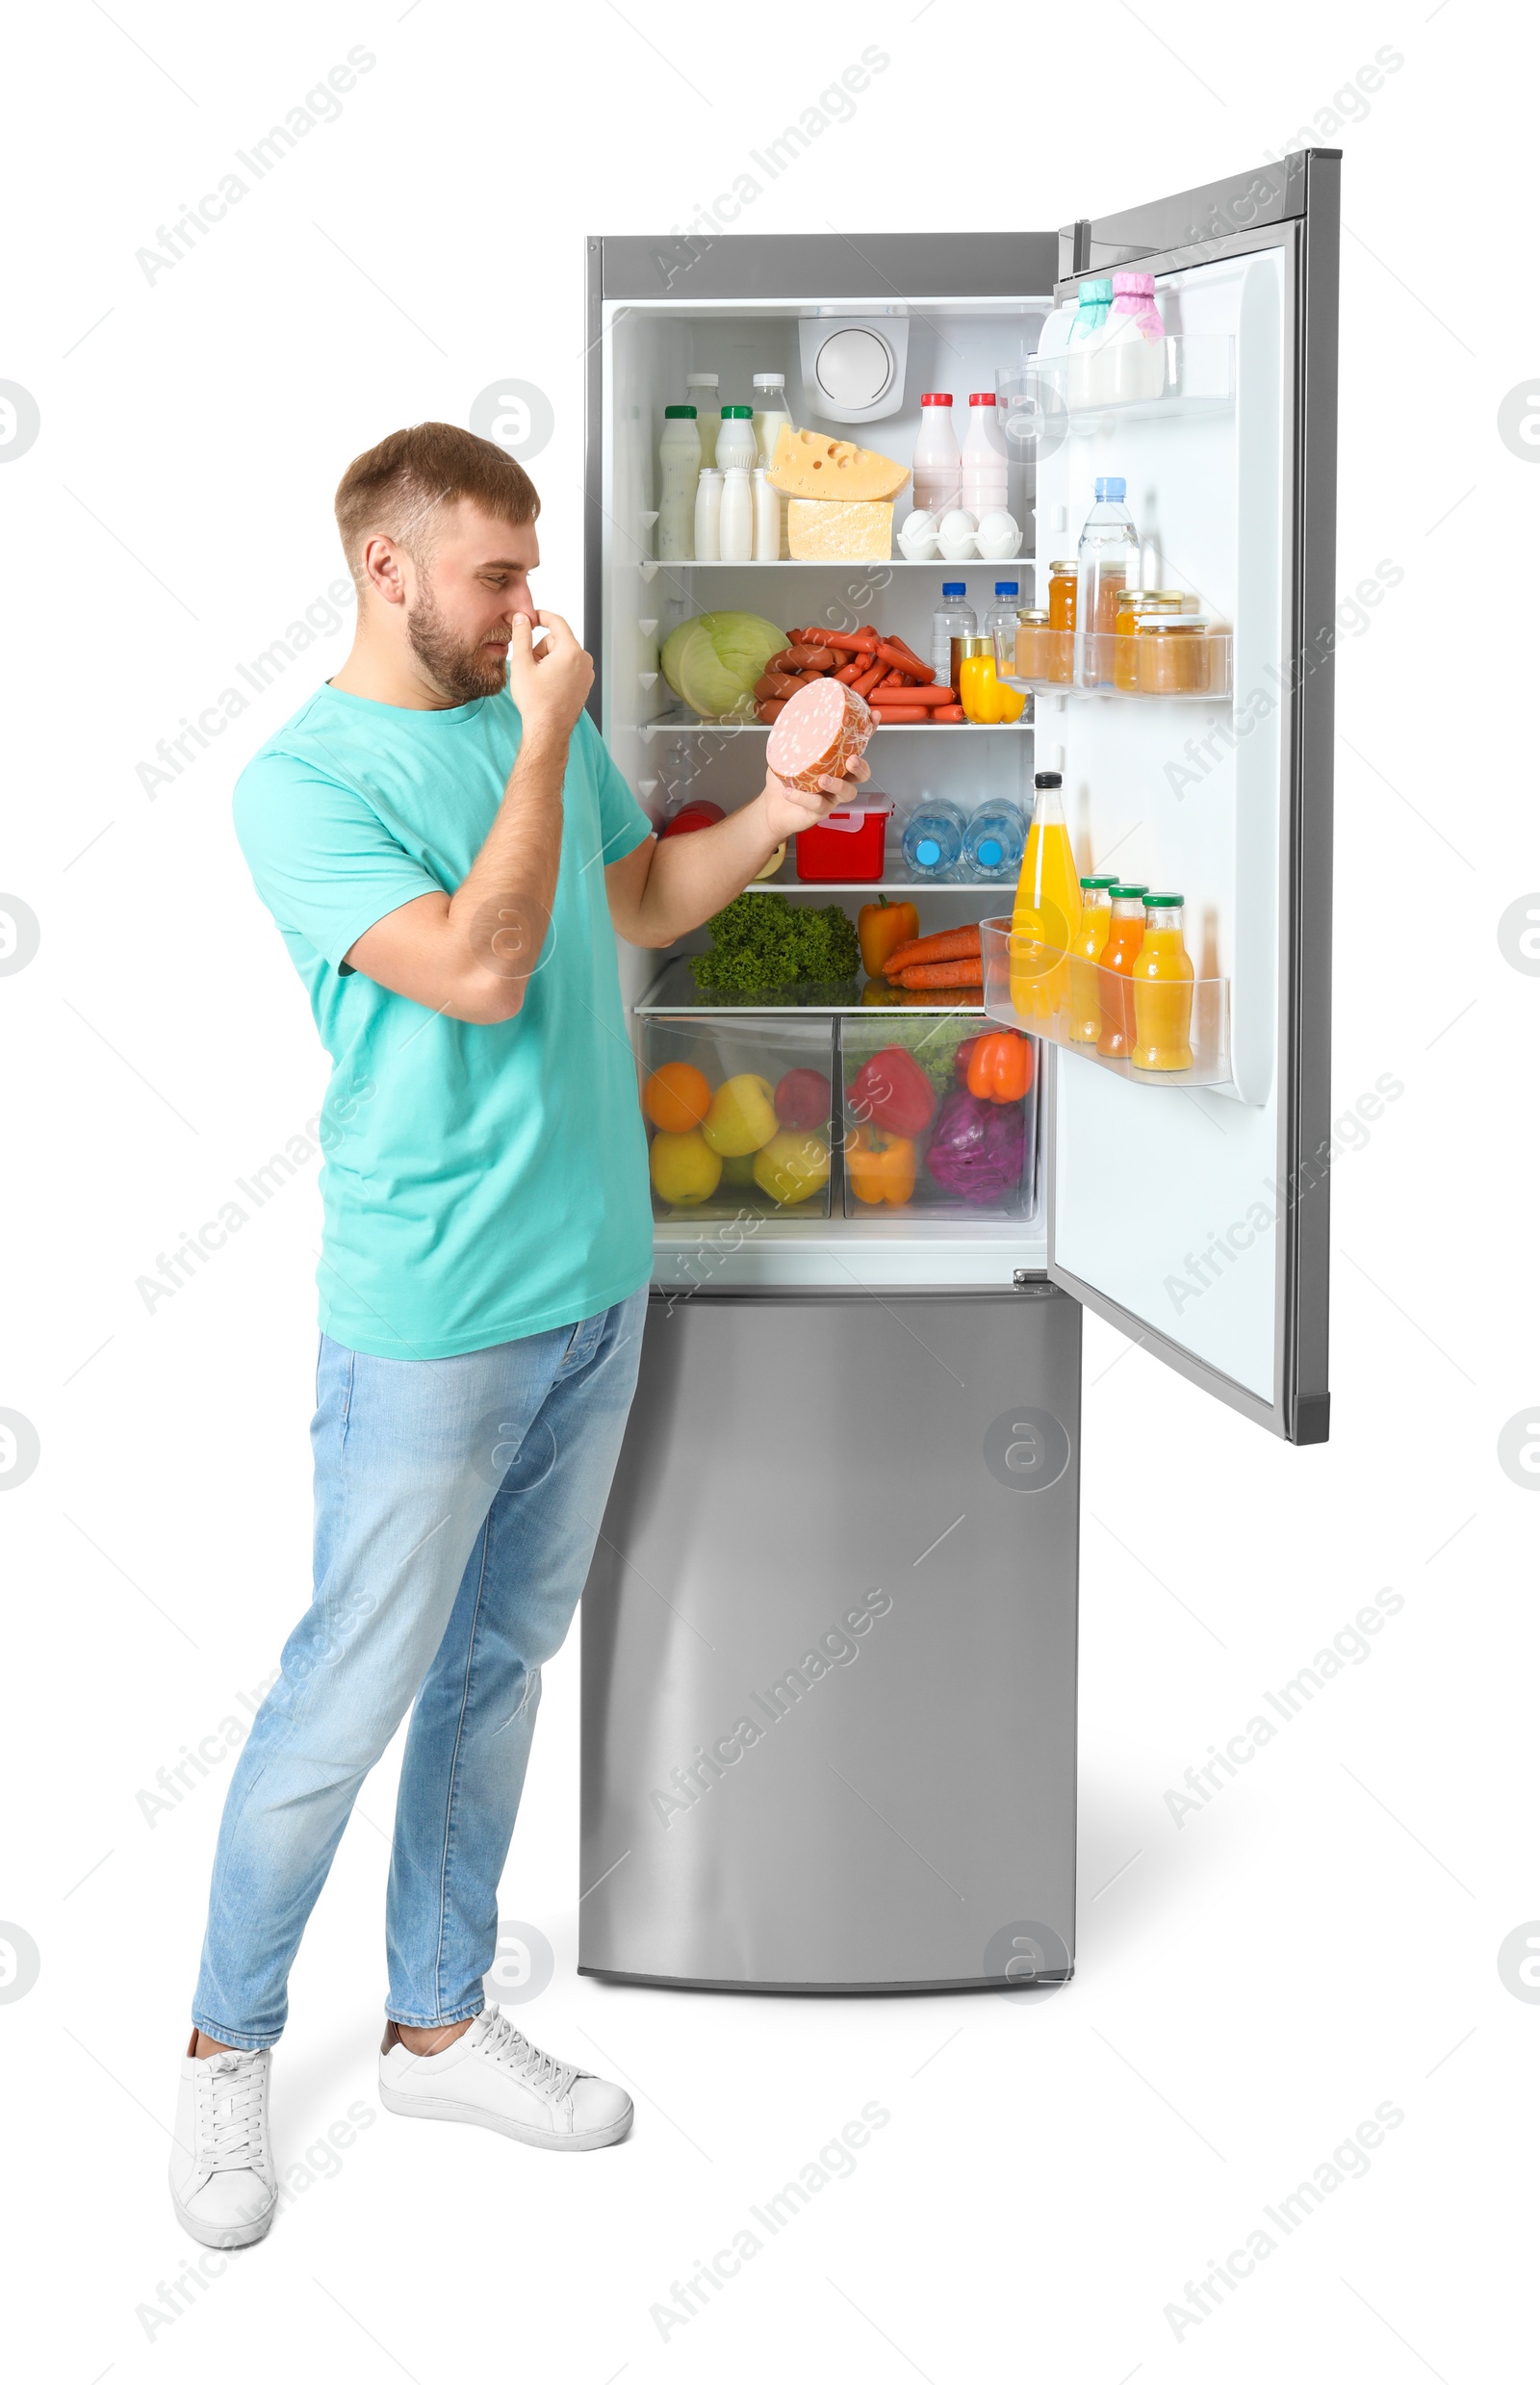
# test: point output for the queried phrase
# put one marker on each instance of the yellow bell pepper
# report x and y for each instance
(984, 698)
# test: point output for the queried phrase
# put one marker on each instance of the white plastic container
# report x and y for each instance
(701, 389)
(708, 516)
(1125, 360)
(736, 441)
(678, 458)
(770, 414)
(937, 460)
(766, 519)
(985, 471)
(735, 520)
(1055, 338)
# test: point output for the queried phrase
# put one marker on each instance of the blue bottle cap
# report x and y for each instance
(954, 587)
(927, 850)
(1112, 488)
(991, 853)
(1008, 587)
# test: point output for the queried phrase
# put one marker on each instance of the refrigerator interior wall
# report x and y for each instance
(1190, 797)
(666, 752)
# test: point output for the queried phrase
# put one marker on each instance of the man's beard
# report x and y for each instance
(456, 669)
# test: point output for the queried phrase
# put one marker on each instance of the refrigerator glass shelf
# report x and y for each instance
(1073, 394)
(892, 563)
(690, 724)
(674, 993)
(1039, 987)
(1166, 666)
(786, 881)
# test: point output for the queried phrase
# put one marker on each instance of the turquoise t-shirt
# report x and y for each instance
(479, 1183)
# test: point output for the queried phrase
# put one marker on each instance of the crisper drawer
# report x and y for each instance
(739, 1115)
(927, 1134)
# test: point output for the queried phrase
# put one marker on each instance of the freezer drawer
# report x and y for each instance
(829, 1647)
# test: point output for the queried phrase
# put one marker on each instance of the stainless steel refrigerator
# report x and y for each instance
(829, 1639)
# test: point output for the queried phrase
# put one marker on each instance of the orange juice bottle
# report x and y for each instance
(1124, 936)
(1046, 915)
(1095, 921)
(1161, 977)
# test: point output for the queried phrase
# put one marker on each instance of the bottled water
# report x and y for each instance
(933, 839)
(954, 618)
(994, 841)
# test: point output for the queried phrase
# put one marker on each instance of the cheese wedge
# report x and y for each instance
(808, 464)
(820, 532)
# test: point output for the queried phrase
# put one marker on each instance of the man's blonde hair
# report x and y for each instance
(400, 486)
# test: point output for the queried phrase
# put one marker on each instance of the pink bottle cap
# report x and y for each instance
(982, 397)
(1133, 285)
(936, 397)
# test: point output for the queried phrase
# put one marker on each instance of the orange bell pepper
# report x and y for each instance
(881, 927)
(881, 1167)
(1000, 1066)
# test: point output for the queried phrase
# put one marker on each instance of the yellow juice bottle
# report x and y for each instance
(1046, 915)
(1161, 982)
(1095, 919)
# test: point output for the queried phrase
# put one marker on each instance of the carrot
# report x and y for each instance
(903, 661)
(949, 944)
(943, 973)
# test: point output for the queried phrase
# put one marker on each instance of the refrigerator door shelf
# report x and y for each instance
(1040, 988)
(1161, 667)
(1075, 392)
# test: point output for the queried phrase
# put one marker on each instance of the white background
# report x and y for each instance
(1321, 1938)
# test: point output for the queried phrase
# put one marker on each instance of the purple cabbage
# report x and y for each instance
(978, 1148)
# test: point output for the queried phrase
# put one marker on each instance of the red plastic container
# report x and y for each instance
(847, 844)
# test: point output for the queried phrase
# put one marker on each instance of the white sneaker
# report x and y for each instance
(224, 2183)
(493, 2076)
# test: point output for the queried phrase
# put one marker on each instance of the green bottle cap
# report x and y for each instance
(1163, 902)
(1099, 881)
(1125, 894)
(737, 413)
(675, 414)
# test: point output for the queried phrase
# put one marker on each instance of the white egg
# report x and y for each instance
(999, 536)
(917, 538)
(959, 536)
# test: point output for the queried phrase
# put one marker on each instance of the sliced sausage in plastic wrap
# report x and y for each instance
(820, 732)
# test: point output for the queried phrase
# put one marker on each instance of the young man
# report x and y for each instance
(447, 848)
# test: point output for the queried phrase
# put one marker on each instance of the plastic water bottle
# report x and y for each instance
(994, 841)
(954, 618)
(1003, 611)
(933, 839)
(1107, 564)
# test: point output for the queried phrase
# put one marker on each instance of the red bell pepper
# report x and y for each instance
(892, 1092)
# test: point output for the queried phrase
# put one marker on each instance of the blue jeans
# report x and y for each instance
(458, 1505)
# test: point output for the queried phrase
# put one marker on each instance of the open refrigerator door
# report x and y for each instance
(1186, 1199)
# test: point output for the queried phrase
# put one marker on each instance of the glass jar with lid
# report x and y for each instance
(1132, 605)
(1173, 654)
(1034, 639)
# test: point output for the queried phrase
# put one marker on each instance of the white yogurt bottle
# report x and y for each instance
(708, 516)
(678, 457)
(736, 522)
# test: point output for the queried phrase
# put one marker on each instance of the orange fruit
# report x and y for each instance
(676, 1097)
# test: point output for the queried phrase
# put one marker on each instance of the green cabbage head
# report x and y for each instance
(712, 661)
